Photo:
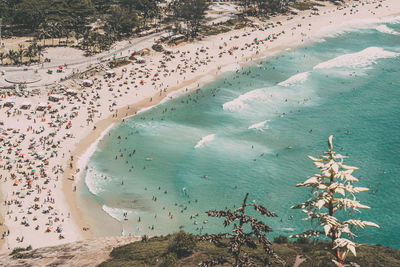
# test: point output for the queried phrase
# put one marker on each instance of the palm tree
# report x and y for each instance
(30, 52)
(12, 56)
(43, 32)
(39, 50)
(20, 52)
(61, 32)
(2, 57)
(53, 32)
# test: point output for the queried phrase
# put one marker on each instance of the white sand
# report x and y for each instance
(109, 100)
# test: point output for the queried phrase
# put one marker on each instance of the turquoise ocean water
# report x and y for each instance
(250, 131)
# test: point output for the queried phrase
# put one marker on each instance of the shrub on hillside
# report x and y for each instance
(170, 260)
(303, 240)
(183, 244)
(281, 239)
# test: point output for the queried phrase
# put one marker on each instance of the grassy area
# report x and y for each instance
(19, 253)
(224, 27)
(306, 5)
(118, 63)
(156, 251)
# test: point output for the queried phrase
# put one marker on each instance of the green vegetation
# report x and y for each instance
(264, 7)
(304, 5)
(118, 63)
(94, 25)
(156, 252)
(17, 253)
(239, 237)
(183, 10)
(183, 244)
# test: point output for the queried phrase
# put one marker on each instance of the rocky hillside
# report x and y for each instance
(157, 251)
(82, 253)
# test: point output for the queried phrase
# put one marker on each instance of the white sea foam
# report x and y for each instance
(386, 29)
(204, 140)
(231, 67)
(259, 126)
(295, 79)
(354, 25)
(143, 110)
(363, 58)
(84, 158)
(116, 213)
(175, 94)
(93, 181)
(288, 229)
(240, 102)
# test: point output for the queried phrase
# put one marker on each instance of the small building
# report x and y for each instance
(166, 36)
(176, 39)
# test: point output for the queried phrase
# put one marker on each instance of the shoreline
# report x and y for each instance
(86, 137)
(146, 105)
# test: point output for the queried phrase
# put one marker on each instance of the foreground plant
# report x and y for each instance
(239, 238)
(333, 192)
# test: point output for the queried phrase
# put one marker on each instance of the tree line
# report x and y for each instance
(72, 17)
(94, 25)
(264, 7)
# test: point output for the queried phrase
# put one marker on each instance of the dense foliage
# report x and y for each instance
(239, 237)
(156, 251)
(264, 7)
(94, 25)
(69, 17)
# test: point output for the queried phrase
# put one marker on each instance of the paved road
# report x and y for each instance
(119, 50)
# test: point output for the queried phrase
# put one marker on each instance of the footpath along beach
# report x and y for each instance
(45, 137)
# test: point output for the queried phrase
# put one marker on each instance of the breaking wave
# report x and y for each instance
(386, 29)
(295, 79)
(363, 58)
(239, 102)
(204, 140)
(116, 213)
(259, 126)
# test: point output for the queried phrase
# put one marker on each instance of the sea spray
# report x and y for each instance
(204, 140)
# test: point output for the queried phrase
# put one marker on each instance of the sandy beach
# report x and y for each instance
(45, 137)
